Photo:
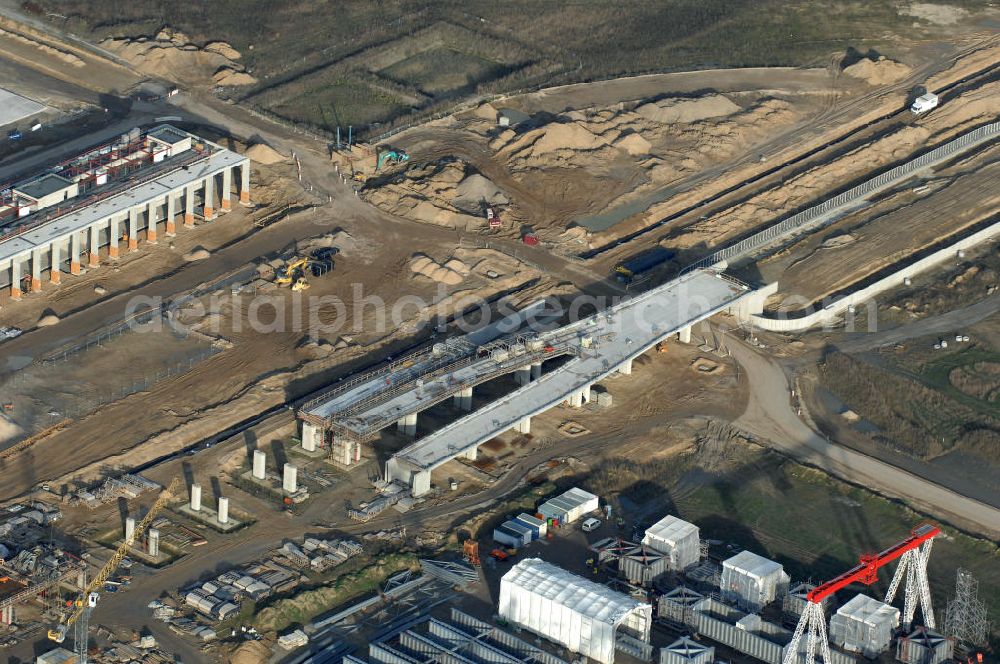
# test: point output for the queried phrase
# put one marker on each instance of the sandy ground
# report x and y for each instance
(898, 225)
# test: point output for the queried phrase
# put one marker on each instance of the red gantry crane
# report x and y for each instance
(913, 553)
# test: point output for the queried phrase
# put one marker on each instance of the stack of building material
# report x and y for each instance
(864, 625)
(751, 581)
(677, 539)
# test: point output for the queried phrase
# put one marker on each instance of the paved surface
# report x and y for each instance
(770, 417)
(13, 107)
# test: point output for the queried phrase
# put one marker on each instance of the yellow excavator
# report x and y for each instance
(79, 616)
(294, 271)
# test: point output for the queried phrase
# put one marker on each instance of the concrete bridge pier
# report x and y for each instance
(576, 399)
(684, 335)
(7, 614)
(472, 453)
(407, 425)
(523, 426)
(536, 370)
(625, 368)
(311, 436)
(420, 483)
(463, 398)
(523, 375)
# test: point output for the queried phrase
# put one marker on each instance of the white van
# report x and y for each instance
(590, 525)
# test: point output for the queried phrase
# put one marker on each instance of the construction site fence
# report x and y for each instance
(819, 214)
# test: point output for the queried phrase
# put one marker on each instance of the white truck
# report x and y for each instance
(924, 103)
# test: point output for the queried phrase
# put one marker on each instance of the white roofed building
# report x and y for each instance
(586, 617)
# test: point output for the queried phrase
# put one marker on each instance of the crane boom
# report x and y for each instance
(83, 603)
(866, 571)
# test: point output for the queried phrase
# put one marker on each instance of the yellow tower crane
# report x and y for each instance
(79, 617)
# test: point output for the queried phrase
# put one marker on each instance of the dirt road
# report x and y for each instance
(770, 417)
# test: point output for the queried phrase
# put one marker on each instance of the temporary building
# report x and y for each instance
(569, 506)
(676, 538)
(686, 651)
(751, 581)
(586, 617)
(511, 533)
(57, 656)
(641, 565)
(924, 646)
(864, 625)
(539, 526)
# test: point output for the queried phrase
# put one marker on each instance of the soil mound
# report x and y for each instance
(250, 652)
(669, 111)
(171, 55)
(428, 267)
(48, 320)
(265, 154)
(878, 72)
(198, 254)
(476, 188)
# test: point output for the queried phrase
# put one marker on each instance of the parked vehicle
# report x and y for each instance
(924, 103)
(590, 525)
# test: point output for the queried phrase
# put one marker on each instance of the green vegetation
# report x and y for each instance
(443, 70)
(920, 411)
(326, 103)
(307, 604)
(481, 46)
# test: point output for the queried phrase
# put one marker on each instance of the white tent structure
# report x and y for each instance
(586, 617)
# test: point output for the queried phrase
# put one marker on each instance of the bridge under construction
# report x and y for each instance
(550, 367)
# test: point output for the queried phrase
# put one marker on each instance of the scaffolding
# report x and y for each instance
(965, 617)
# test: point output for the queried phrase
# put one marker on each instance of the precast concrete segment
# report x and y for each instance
(608, 342)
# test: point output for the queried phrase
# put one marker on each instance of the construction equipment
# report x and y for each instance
(913, 553)
(294, 271)
(470, 550)
(83, 606)
(392, 157)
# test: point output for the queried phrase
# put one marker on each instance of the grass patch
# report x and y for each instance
(326, 103)
(443, 70)
(302, 607)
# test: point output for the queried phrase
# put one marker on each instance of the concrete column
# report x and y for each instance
(15, 277)
(36, 270)
(151, 222)
(586, 394)
(223, 510)
(245, 183)
(189, 206)
(133, 229)
(420, 483)
(576, 399)
(75, 249)
(309, 434)
(472, 453)
(625, 368)
(7, 614)
(113, 234)
(290, 478)
(153, 542)
(522, 375)
(94, 260)
(129, 528)
(463, 398)
(171, 229)
(195, 497)
(684, 335)
(227, 186)
(407, 425)
(209, 212)
(536, 370)
(55, 275)
(524, 426)
(259, 461)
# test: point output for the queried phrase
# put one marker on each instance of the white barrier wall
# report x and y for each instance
(832, 312)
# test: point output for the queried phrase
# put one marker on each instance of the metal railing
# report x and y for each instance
(816, 215)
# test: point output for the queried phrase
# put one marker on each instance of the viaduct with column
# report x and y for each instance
(100, 204)
(550, 368)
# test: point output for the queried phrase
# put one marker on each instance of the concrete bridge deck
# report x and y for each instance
(602, 344)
